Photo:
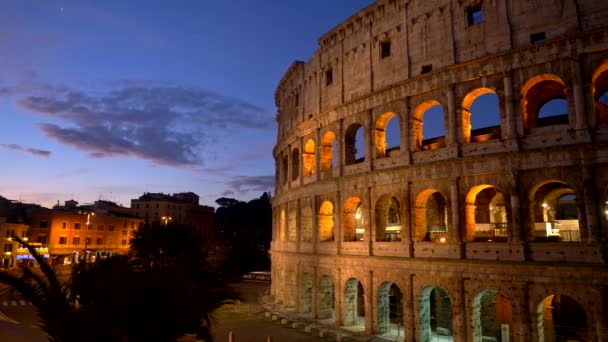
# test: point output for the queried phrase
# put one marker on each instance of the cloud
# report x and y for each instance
(34, 151)
(240, 184)
(162, 123)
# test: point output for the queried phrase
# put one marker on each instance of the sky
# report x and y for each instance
(110, 99)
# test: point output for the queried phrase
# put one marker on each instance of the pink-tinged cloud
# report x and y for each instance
(164, 124)
(34, 151)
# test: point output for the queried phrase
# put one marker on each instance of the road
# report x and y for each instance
(248, 324)
(18, 319)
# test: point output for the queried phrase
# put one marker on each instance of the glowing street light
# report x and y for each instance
(166, 219)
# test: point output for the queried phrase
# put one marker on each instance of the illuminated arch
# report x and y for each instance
(380, 133)
(561, 316)
(553, 213)
(600, 93)
(435, 313)
(282, 225)
(485, 214)
(467, 128)
(491, 311)
(418, 130)
(354, 303)
(351, 142)
(308, 158)
(326, 221)
(537, 92)
(388, 219)
(390, 309)
(353, 220)
(327, 150)
(430, 216)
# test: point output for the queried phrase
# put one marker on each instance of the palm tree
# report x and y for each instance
(112, 301)
(56, 307)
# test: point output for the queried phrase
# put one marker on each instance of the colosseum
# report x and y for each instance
(442, 173)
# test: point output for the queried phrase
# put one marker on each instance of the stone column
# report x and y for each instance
(454, 229)
(298, 224)
(368, 296)
(459, 312)
(338, 234)
(340, 146)
(592, 205)
(452, 136)
(521, 320)
(579, 97)
(338, 297)
(511, 119)
(318, 150)
(315, 224)
(408, 310)
(315, 293)
(370, 227)
(515, 219)
(405, 137)
(370, 139)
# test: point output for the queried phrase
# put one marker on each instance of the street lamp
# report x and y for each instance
(166, 219)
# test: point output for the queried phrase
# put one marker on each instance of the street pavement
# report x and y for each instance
(18, 319)
(247, 323)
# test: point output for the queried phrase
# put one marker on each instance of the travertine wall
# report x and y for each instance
(477, 208)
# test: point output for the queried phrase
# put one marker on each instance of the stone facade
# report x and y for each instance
(487, 233)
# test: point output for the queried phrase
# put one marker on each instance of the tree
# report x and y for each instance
(57, 307)
(111, 300)
(170, 245)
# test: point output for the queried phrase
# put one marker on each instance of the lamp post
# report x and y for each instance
(86, 239)
(166, 219)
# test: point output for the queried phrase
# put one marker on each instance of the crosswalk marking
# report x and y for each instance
(21, 302)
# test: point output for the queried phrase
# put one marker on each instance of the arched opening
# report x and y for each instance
(326, 222)
(480, 116)
(435, 315)
(327, 151)
(600, 94)
(306, 224)
(308, 158)
(292, 223)
(561, 319)
(388, 219)
(282, 226)
(390, 311)
(428, 126)
(354, 144)
(295, 164)
(326, 298)
(306, 293)
(431, 217)
(284, 174)
(486, 215)
(492, 317)
(544, 102)
(554, 213)
(354, 228)
(354, 304)
(387, 134)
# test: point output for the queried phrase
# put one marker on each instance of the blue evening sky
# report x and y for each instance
(110, 99)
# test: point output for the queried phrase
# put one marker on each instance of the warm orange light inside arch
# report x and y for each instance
(420, 213)
(326, 221)
(308, 158)
(350, 219)
(537, 91)
(417, 122)
(469, 209)
(327, 150)
(600, 87)
(282, 226)
(380, 133)
(465, 115)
